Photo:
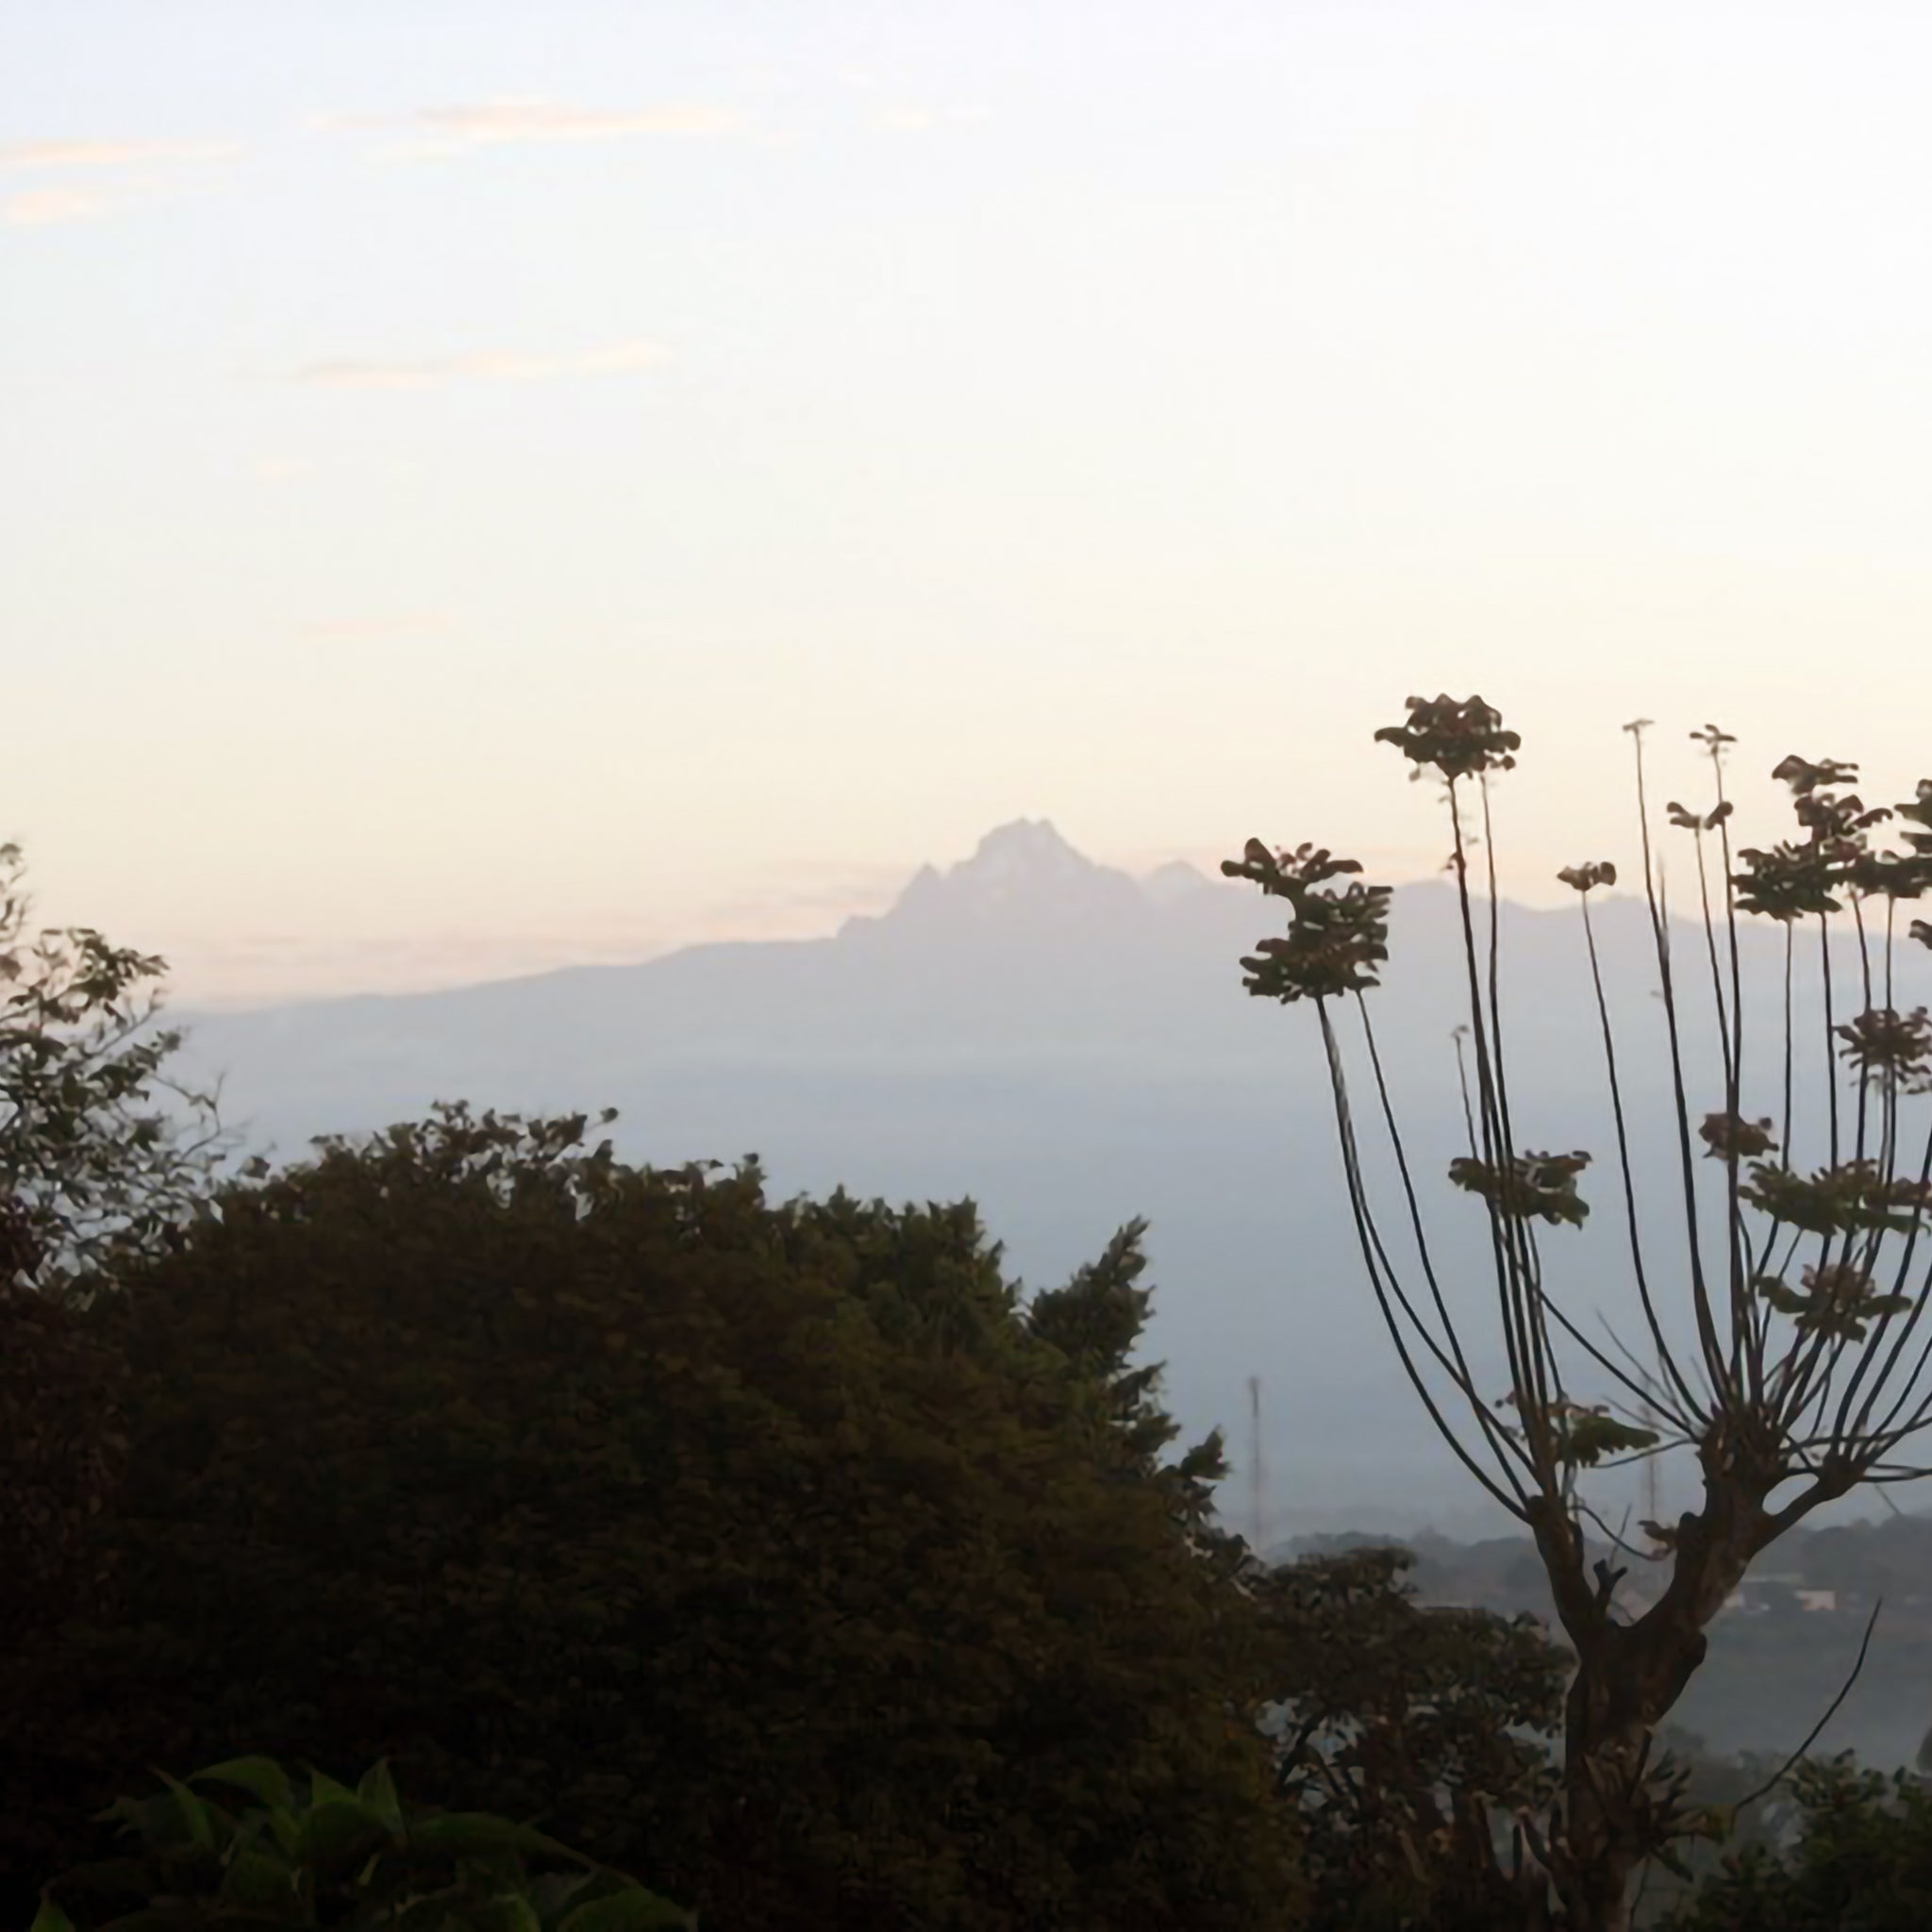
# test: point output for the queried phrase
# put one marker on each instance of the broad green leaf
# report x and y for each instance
(157, 1819)
(507, 1912)
(428, 1914)
(455, 1833)
(179, 1915)
(634, 1910)
(323, 1789)
(553, 1891)
(50, 1918)
(258, 1880)
(377, 1791)
(131, 1879)
(195, 1812)
(339, 1835)
(262, 1776)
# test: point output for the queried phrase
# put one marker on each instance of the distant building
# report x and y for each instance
(1786, 1590)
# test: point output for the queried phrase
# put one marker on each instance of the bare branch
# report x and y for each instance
(1790, 1763)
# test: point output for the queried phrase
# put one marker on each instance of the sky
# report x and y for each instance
(484, 486)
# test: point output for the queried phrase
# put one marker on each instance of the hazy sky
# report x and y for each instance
(485, 484)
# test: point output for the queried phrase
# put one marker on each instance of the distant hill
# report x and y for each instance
(1781, 1649)
(1072, 1046)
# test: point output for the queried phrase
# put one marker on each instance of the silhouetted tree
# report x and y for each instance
(93, 1166)
(772, 1549)
(92, 1172)
(1400, 1730)
(1789, 1393)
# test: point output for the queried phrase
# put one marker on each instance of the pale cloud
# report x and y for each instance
(41, 208)
(115, 174)
(111, 154)
(493, 124)
(483, 365)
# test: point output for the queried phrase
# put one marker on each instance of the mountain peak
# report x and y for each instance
(1023, 878)
(1028, 845)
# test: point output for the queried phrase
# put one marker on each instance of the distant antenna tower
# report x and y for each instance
(1257, 1475)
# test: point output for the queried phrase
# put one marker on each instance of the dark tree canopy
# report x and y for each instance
(771, 1549)
(1399, 1730)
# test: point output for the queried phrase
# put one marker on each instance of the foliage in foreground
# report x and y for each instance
(777, 1549)
(350, 1860)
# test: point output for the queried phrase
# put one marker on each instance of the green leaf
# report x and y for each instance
(50, 1918)
(377, 1791)
(262, 1776)
(431, 1914)
(195, 1812)
(339, 1835)
(459, 1833)
(323, 1789)
(553, 1891)
(507, 1912)
(257, 1880)
(130, 1878)
(634, 1910)
(179, 1915)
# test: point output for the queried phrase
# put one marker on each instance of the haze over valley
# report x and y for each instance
(1071, 1048)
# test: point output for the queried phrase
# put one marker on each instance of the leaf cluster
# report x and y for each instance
(1885, 1043)
(1459, 738)
(353, 1860)
(1834, 1298)
(1793, 880)
(1855, 1196)
(1335, 939)
(1541, 1187)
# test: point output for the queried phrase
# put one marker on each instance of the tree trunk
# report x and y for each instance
(1629, 1678)
(1604, 1835)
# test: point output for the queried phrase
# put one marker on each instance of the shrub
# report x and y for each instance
(349, 1860)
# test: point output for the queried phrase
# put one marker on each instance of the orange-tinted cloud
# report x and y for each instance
(491, 123)
(483, 365)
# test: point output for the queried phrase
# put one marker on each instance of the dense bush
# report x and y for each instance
(62, 1455)
(768, 1548)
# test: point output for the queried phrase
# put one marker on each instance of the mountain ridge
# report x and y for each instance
(1072, 1048)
